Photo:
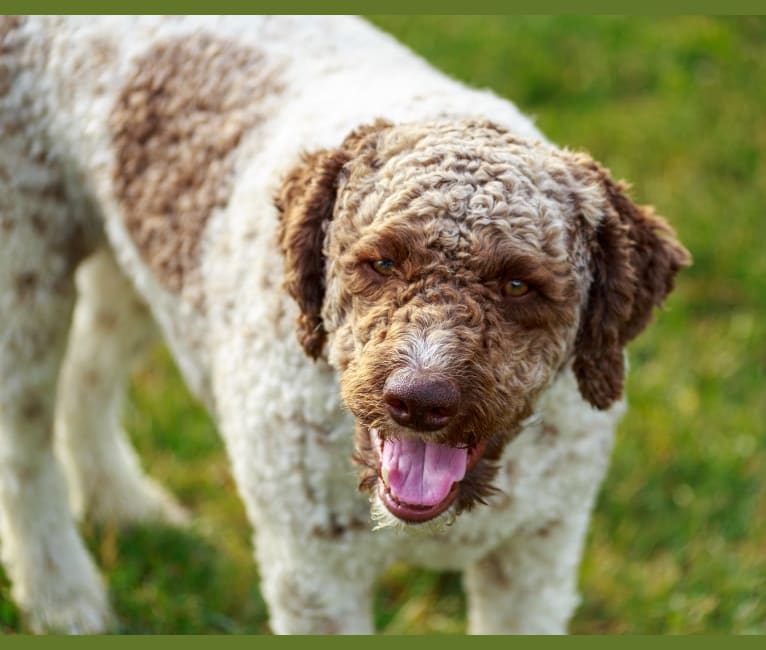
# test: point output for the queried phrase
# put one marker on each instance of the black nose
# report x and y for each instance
(420, 401)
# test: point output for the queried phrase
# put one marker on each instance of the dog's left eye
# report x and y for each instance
(383, 267)
(514, 289)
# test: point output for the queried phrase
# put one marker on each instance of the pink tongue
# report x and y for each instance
(422, 473)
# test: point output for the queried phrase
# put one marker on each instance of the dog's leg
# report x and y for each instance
(111, 329)
(529, 584)
(314, 586)
(54, 580)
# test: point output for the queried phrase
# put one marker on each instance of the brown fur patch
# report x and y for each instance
(106, 320)
(25, 285)
(175, 126)
(8, 24)
(32, 410)
(493, 571)
(39, 224)
(334, 529)
(548, 431)
(303, 604)
(91, 377)
(548, 528)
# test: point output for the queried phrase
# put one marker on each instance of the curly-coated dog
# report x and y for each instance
(462, 292)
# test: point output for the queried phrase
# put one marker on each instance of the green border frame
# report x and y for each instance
(378, 642)
(651, 7)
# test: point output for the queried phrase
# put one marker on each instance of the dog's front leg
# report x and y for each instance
(315, 586)
(111, 330)
(528, 585)
(54, 581)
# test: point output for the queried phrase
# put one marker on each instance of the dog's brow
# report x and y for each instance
(393, 243)
(542, 272)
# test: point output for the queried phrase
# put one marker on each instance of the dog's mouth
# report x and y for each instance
(420, 479)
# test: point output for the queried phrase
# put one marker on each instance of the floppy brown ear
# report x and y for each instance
(305, 202)
(634, 259)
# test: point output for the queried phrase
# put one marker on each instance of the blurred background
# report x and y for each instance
(676, 106)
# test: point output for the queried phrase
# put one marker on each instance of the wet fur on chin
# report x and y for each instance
(383, 518)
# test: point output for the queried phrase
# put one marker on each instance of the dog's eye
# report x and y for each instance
(383, 267)
(514, 289)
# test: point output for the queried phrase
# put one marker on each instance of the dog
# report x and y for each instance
(405, 309)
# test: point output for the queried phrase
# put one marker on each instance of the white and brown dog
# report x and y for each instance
(463, 291)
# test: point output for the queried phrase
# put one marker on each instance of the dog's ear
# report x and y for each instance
(306, 201)
(634, 259)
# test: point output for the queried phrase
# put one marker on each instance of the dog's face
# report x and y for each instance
(452, 271)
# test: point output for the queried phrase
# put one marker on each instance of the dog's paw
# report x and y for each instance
(82, 617)
(144, 502)
(68, 606)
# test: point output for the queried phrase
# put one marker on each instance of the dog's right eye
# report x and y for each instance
(384, 267)
(514, 289)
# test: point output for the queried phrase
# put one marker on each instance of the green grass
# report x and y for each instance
(678, 541)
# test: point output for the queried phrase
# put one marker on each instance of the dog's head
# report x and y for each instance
(452, 270)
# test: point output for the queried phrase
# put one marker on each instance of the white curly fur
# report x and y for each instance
(285, 429)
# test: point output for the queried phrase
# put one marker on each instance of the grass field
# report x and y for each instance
(678, 542)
